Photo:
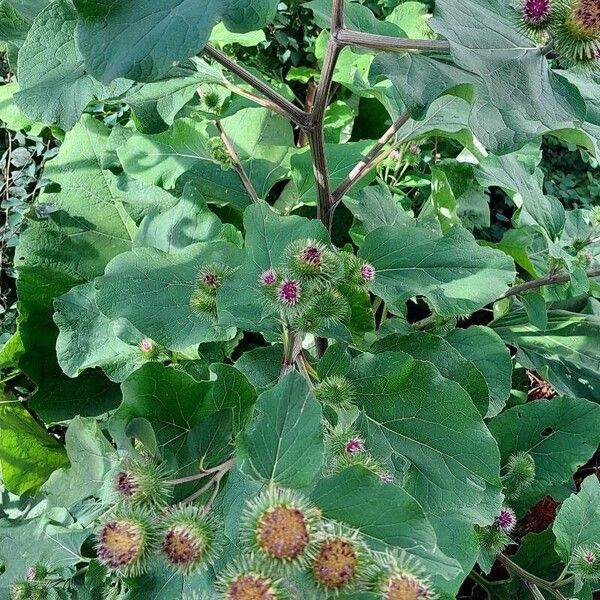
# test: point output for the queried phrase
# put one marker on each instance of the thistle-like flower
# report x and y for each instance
(249, 579)
(506, 520)
(400, 578)
(340, 562)
(358, 274)
(367, 272)
(148, 346)
(311, 259)
(142, 483)
(355, 445)
(125, 542)
(576, 32)
(585, 562)
(280, 526)
(536, 15)
(189, 540)
(336, 391)
(269, 278)
(386, 477)
(289, 292)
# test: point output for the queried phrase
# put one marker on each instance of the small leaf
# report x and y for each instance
(28, 453)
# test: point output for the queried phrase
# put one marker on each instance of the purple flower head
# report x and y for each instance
(536, 12)
(386, 477)
(422, 591)
(415, 149)
(589, 556)
(506, 520)
(355, 445)
(367, 272)
(289, 292)
(311, 255)
(147, 345)
(268, 278)
(31, 574)
(211, 280)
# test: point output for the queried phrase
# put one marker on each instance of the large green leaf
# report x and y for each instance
(142, 40)
(566, 353)
(455, 274)
(92, 457)
(578, 520)
(411, 411)
(160, 159)
(70, 247)
(484, 347)
(267, 236)
(448, 361)
(517, 96)
(55, 87)
(283, 443)
(561, 435)
(153, 291)
(28, 453)
(385, 514)
(174, 405)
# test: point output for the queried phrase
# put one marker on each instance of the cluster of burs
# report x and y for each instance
(519, 476)
(569, 27)
(309, 286)
(285, 546)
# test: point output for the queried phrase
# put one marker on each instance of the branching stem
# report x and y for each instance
(237, 165)
(374, 157)
(550, 279)
(533, 581)
(386, 43)
(295, 114)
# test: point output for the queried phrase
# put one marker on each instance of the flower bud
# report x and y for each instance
(20, 590)
(269, 278)
(142, 484)
(336, 391)
(279, 526)
(188, 539)
(210, 279)
(492, 539)
(148, 347)
(585, 562)
(520, 474)
(125, 542)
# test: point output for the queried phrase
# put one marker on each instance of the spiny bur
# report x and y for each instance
(125, 541)
(279, 526)
(189, 539)
(250, 579)
(142, 483)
